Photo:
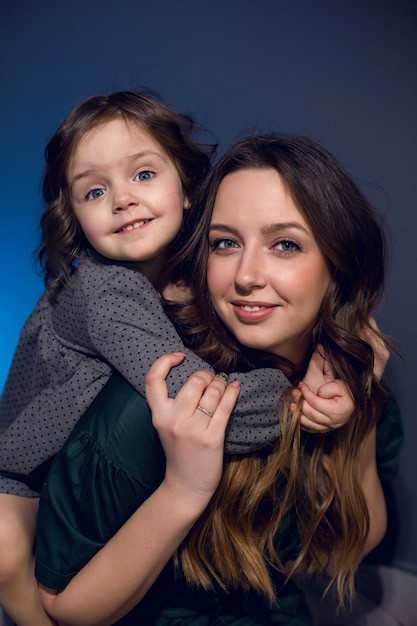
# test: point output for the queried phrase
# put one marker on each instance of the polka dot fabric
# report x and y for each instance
(110, 319)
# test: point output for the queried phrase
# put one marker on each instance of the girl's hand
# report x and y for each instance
(191, 428)
(326, 402)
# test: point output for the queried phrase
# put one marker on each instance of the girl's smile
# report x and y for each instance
(266, 274)
(131, 226)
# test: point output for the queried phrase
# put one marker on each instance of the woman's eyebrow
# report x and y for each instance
(277, 227)
(265, 230)
(224, 228)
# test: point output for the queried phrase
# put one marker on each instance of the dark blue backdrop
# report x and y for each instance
(341, 72)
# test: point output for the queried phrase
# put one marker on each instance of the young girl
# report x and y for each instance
(119, 173)
(283, 233)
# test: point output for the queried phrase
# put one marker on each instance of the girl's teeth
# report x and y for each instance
(135, 225)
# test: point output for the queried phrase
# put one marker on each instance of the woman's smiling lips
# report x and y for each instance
(252, 311)
(133, 225)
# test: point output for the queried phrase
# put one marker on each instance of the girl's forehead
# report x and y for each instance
(116, 126)
(116, 136)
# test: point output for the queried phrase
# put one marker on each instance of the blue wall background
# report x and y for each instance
(342, 72)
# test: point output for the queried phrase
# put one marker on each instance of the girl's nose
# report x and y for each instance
(250, 273)
(123, 198)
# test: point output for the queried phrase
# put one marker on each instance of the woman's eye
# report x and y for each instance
(287, 245)
(145, 175)
(94, 194)
(223, 244)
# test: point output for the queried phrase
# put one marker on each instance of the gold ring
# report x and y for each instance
(223, 376)
(203, 410)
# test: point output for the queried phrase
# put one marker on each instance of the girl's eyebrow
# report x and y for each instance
(265, 230)
(81, 175)
(132, 157)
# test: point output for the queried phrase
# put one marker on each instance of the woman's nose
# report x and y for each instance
(250, 273)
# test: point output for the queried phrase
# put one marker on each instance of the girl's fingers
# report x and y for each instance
(315, 374)
(331, 409)
(328, 370)
(314, 400)
(313, 419)
(332, 389)
(312, 426)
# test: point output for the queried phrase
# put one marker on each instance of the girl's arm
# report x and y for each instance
(120, 574)
(128, 326)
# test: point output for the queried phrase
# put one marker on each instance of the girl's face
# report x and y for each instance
(266, 274)
(126, 194)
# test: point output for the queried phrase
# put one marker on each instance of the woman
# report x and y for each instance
(294, 258)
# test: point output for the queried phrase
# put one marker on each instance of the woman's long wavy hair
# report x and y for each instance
(314, 478)
(62, 238)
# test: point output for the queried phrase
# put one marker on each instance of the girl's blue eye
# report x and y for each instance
(145, 175)
(94, 194)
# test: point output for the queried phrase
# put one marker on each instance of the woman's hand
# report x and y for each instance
(191, 428)
(120, 574)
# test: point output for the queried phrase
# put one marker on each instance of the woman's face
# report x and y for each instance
(266, 274)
